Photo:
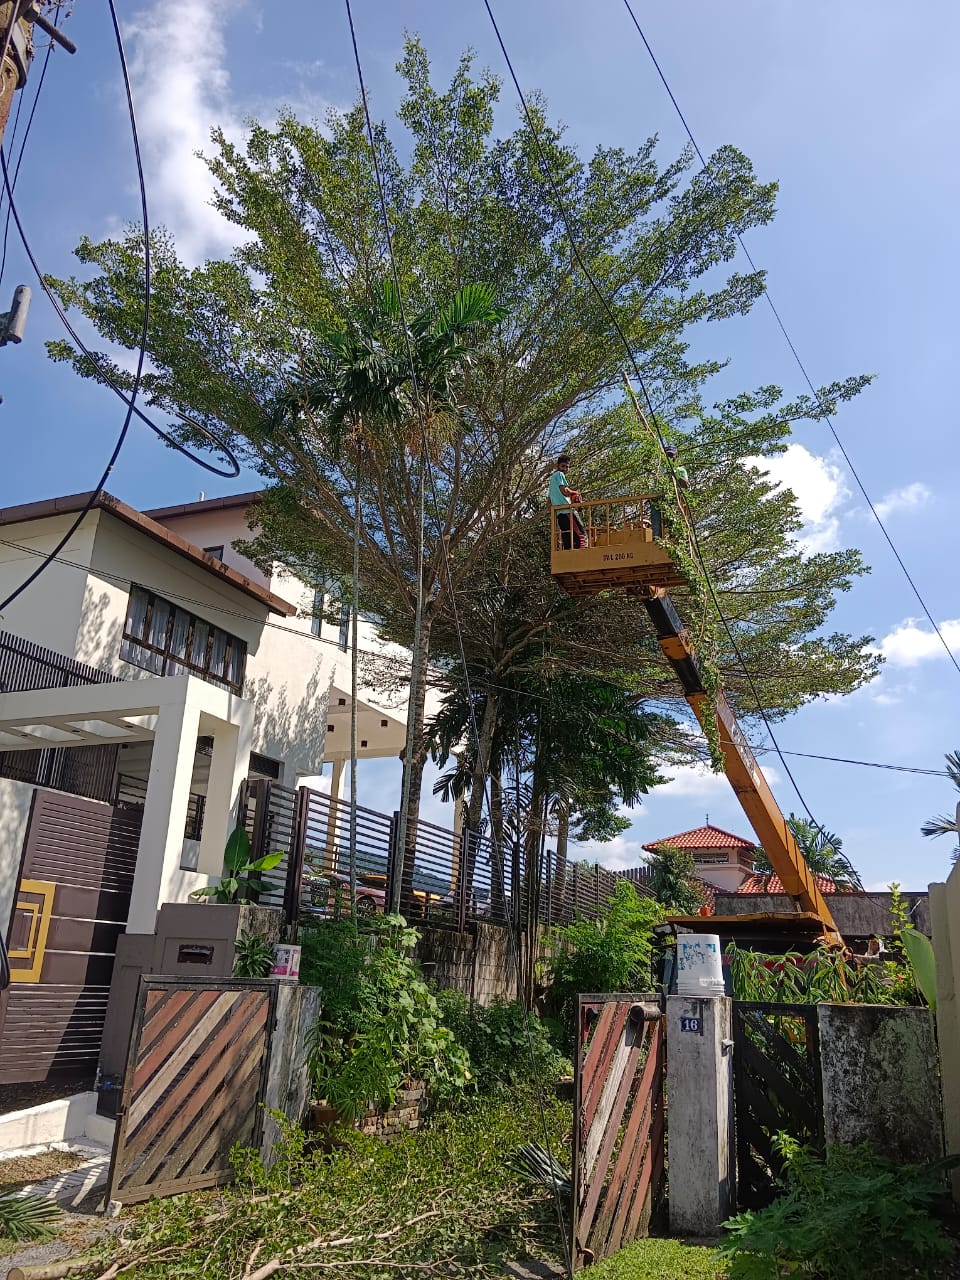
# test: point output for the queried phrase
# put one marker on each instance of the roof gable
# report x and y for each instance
(706, 837)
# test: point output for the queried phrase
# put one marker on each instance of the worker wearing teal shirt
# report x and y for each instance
(572, 533)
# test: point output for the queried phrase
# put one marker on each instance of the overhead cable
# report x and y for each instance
(799, 362)
(141, 359)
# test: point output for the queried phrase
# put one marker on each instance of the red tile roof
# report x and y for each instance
(702, 838)
(758, 883)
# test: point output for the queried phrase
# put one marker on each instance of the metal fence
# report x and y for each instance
(82, 771)
(446, 877)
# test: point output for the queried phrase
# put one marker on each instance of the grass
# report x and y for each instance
(658, 1259)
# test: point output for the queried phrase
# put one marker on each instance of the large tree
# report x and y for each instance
(229, 340)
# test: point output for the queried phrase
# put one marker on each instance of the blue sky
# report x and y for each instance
(853, 108)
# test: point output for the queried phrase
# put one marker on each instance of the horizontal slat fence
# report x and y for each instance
(452, 879)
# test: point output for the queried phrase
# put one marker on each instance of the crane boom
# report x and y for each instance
(740, 765)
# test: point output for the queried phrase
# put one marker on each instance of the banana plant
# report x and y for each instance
(241, 874)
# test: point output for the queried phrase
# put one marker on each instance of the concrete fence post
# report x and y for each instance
(700, 1137)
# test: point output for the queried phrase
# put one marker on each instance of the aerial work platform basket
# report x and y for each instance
(614, 542)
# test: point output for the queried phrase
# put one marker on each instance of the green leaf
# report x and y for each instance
(228, 886)
(266, 863)
(923, 962)
(237, 852)
(27, 1217)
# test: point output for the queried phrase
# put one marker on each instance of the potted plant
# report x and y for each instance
(241, 873)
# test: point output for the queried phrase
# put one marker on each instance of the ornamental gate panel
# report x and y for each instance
(618, 1132)
(195, 1077)
(777, 1089)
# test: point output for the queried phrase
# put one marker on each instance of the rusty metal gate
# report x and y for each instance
(618, 1132)
(195, 1077)
(777, 1089)
(71, 905)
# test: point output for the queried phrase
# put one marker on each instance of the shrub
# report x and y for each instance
(381, 1025)
(507, 1045)
(252, 956)
(854, 1216)
(822, 976)
(612, 953)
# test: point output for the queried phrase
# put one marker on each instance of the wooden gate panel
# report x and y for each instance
(196, 1073)
(777, 1089)
(72, 901)
(618, 1147)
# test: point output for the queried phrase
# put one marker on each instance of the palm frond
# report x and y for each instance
(27, 1217)
(940, 826)
(535, 1163)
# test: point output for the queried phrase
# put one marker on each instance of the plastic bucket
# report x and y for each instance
(699, 965)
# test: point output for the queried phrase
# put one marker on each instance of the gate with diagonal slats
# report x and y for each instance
(618, 1133)
(777, 1089)
(195, 1077)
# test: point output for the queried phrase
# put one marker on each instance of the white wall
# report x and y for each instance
(15, 800)
(48, 612)
(220, 528)
(725, 876)
(288, 674)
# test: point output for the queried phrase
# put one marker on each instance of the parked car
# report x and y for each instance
(329, 891)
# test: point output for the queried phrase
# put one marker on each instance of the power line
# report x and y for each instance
(141, 359)
(796, 355)
(561, 208)
(179, 598)
(23, 147)
(427, 472)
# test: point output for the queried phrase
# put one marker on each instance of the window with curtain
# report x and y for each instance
(168, 641)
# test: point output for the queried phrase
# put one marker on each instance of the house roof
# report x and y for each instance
(206, 504)
(74, 503)
(758, 883)
(707, 837)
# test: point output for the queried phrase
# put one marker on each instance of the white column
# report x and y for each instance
(165, 810)
(228, 767)
(333, 826)
(700, 1114)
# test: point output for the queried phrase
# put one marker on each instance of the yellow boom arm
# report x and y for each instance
(741, 767)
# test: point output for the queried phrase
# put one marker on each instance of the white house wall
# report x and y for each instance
(288, 673)
(15, 800)
(48, 613)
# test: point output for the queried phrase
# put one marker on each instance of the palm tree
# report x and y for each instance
(823, 853)
(942, 825)
(379, 384)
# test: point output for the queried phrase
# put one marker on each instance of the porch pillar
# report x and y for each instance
(700, 1114)
(228, 767)
(165, 810)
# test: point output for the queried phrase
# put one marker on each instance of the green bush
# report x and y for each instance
(613, 953)
(507, 1046)
(657, 1259)
(854, 1216)
(823, 976)
(381, 1024)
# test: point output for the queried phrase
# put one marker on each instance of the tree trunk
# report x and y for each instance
(558, 881)
(481, 769)
(414, 759)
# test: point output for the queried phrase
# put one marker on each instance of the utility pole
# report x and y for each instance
(18, 39)
(17, 20)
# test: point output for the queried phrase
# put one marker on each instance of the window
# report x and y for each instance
(263, 767)
(317, 620)
(344, 638)
(159, 637)
(216, 552)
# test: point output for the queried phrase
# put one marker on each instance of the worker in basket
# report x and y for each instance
(572, 533)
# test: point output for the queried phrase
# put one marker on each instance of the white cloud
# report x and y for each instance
(819, 488)
(617, 854)
(182, 90)
(904, 499)
(699, 782)
(909, 643)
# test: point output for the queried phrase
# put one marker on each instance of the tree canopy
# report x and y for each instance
(236, 344)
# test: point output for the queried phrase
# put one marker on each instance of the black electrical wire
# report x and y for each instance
(128, 417)
(796, 355)
(428, 471)
(23, 147)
